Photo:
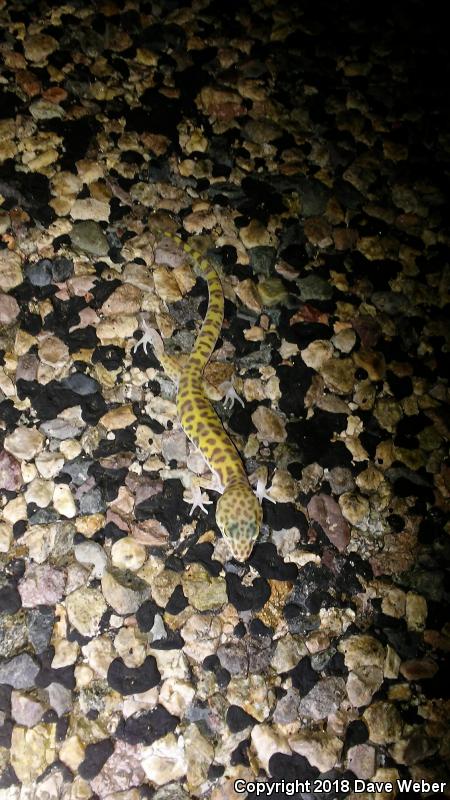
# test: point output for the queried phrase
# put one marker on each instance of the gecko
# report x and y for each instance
(238, 510)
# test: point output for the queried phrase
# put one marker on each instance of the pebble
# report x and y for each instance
(338, 375)
(85, 608)
(384, 722)
(362, 683)
(203, 591)
(63, 501)
(418, 669)
(317, 353)
(54, 352)
(88, 236)
(24, 443)
(60, 698)
(121, 771)
(49, 464)
(10, 270)
(91, 553)
(269, 424)
(344, 340)
(123, 590)
(24, 710)
(42, 584)
(19, 671)
(266, 742)
(10, 472)
(15, 510)
(323, 699)
(9, 309)
(165, 760)
(37, 47)
(40, 492)
(71, 752)
(355, 508)
(32, 749)
(416, 611)
(118, 418)
(361, 760)
(128, 554)
(320, 748)
(325, 510)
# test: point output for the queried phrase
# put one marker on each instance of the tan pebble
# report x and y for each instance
(63, 501)
(269, 424)
(40, 492)
(49, 464)
(72, 752)
(85, 608)
(118, 418)
(15, 510)
(24, 443)
(127, 553)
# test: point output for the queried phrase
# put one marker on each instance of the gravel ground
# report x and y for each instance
(306, 151)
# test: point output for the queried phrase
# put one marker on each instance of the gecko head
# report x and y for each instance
(239, 516)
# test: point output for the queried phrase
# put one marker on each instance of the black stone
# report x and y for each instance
(145, 615)
(133, 680)
(356, 733)
(223, 677)
(177, 601)
(246, 598)
(238, 719)
(258, 628)
(95, 757)
(39, 273)
(240, 754)
(291, 768)
(147, 727)
(269, 564)
(303, 676)
(8, 778)
(201, 553)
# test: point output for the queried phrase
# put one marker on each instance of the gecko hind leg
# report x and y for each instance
(150, 337)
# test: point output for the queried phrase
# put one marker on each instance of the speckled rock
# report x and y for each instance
(384, 722)
(321, 749)
(202, 590)
(124, 591)
(19, 671)
(10, 472)
(32, 749)
(323, 699)
(42, 584)
(89, 237)
(85, 608)
(165, 760)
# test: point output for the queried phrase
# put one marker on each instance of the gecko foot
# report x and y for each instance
(198, 499)
(150, 337)
(261, 491)
(231, 396)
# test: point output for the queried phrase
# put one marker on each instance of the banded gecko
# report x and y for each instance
(238, 511)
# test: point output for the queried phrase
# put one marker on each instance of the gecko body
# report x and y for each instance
(238, 511)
